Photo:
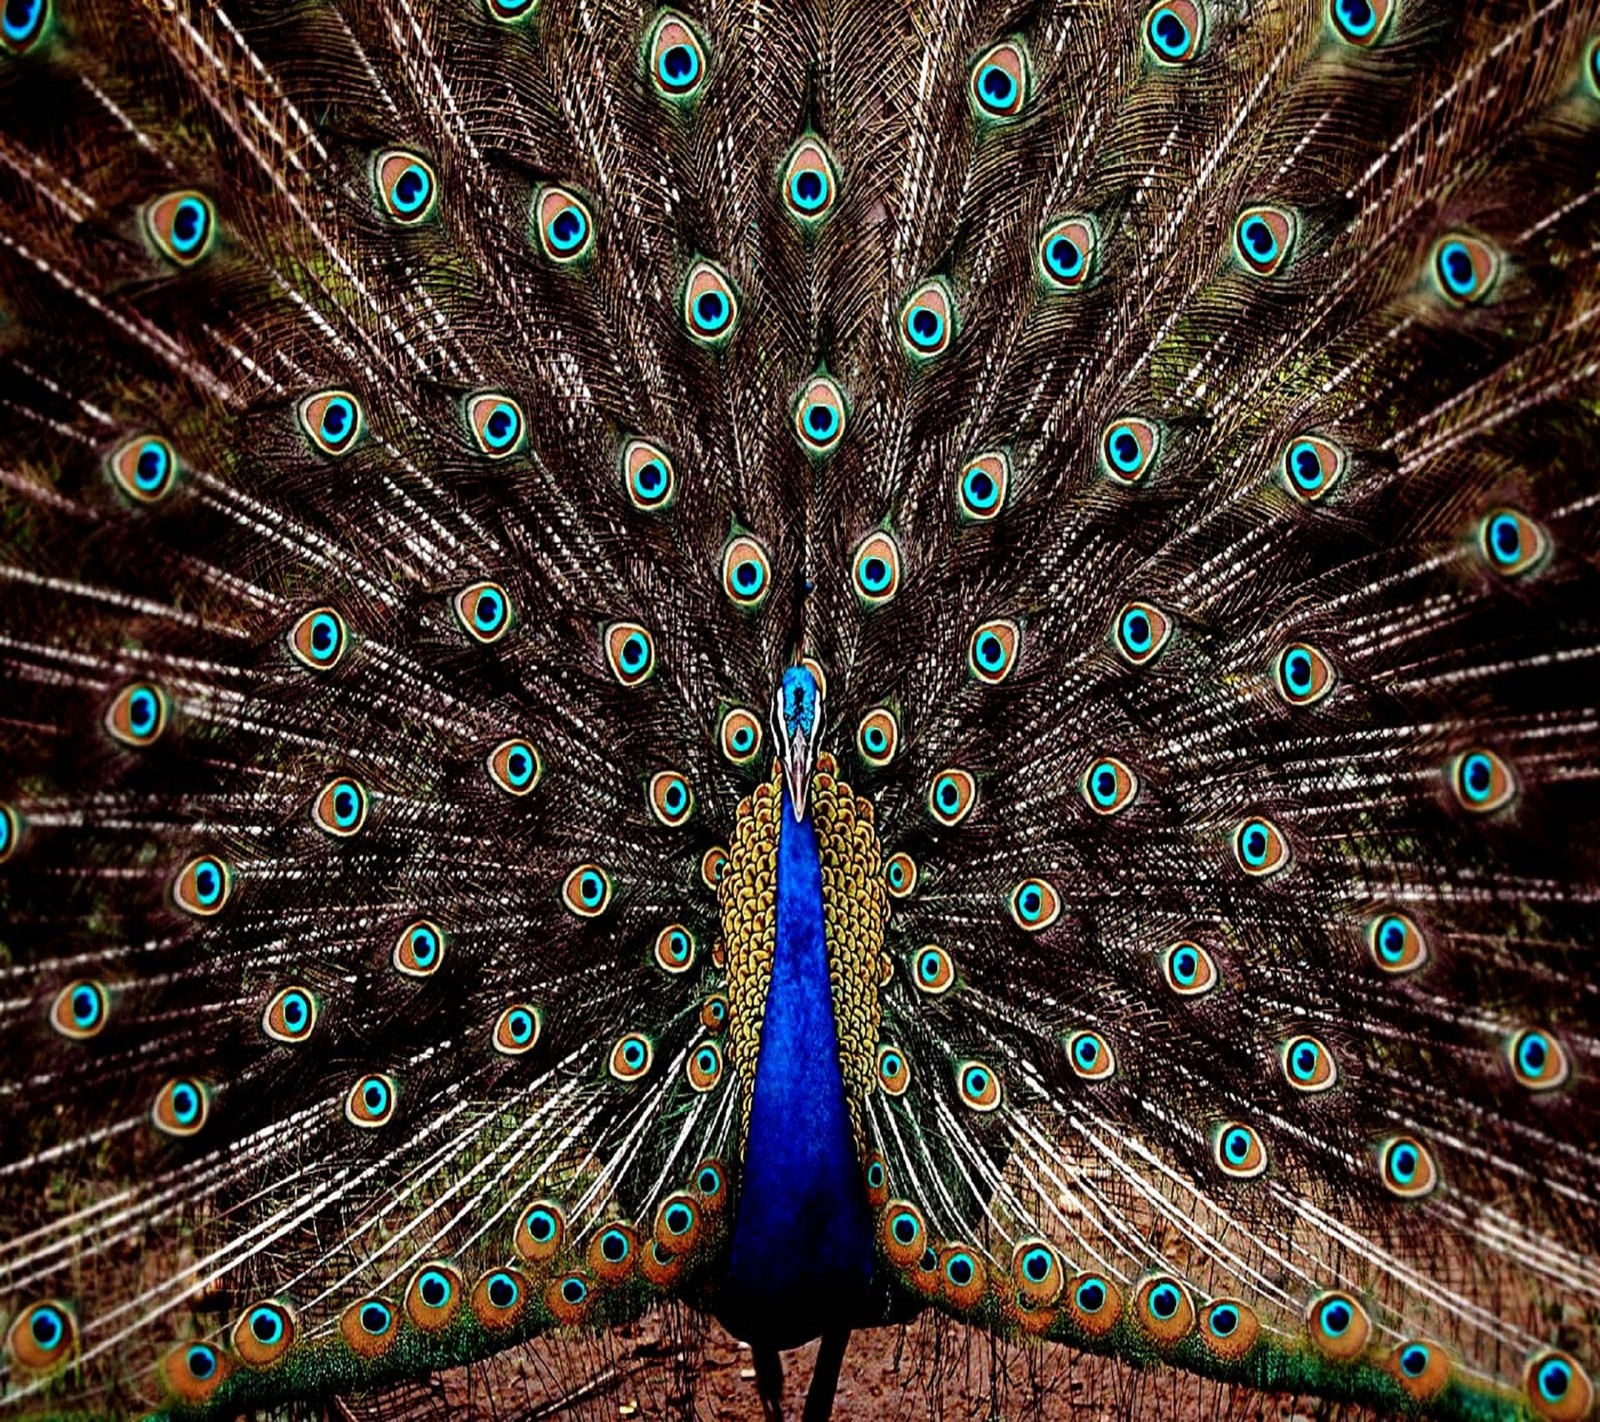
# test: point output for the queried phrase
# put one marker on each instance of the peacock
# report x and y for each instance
(811, 664)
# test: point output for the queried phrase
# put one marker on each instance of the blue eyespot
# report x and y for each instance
(1336, 1317)
(998, 88)
(144, 468)
(1090, 1295)
(22, 22)
(1512, 542)
(180, 224)
(1262, 237)
(677, 58)
(201, 1360)
(1224, 1320)
(565, 228)
(318, 639)
(1413, 1360)
(1464, 269)
(1140, 631)
(1359, 22)
(1172, 32)
(406, 186)
(808, 185)
(710, 308)
(332, 419)
(927, 320)
(982, 489)
(376, 1318)
(648, 475)
(574, 1291)
(434, 1288)
(1128, 448)
(496, 423)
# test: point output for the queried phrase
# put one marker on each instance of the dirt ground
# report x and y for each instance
(675, 1365)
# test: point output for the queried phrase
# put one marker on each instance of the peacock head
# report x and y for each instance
(796, 722)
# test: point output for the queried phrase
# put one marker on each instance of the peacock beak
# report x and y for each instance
(797, 763)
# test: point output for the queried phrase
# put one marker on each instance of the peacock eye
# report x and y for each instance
(318, 640)
(181, 225)
(420, 949)
(1512, 542)
(670, 798)
(80, 1009)
(710, 306)
(1260, 847)
(1239, 1152)
(1558, 1388)
(22, 22)
(746, 572)
(1359, 22)
(1035, 905)
(933, 971)
(587, 890)
(1091, 1056)
(540, 1232)
(433, 1296)
(497, 1299)
(340, 807)
(708, 1183)
(564, 225)
(202, 886)
(704, 1067)
(1308, 1065)
(144, 468)
(978, 1086)
(1066, 253)
(1312, 466)
(497, 424)
(1164, 1309)
(739, 735)
(677, 1221)
(332, 420)
(631, 1057)
(1109, 786)
(875, 569)
(927, 321)
(511, 12)
(999, 85)
(952, 795)
(180, 1107)
(1397, 944)
(1262, 238)
(515, 766)
(290, 1016)
(1095, 1302)
(263, 1335)
(484, 611)
(193, 1372)
(1128, 448)
(677, 58)
(894, 1070)
(809, 186)
(981, 489)
(406, 186)
(1302, 674)
(516, 1030)
(878, 736)
(992, 650)
(371, 1101)
(1538, 1061)
(819, 415)
(1406, 1168)
(373, 1317)
(630, 652)
(1229, 1328)
(675, 948)
(1464, 269)
(138, 715)
(1173, 31)
(44, 1334)
(648, 476)
(1482, 781)
(1140, 631)
(900, 874)
(1188, 969)
(713, 865)
(714, 1012)
(1037, 1272)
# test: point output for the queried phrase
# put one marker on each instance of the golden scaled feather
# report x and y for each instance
(1126, 477)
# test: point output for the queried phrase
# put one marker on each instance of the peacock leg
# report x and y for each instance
(769, 1383)
(825, 1376)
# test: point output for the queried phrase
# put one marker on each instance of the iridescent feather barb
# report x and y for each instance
(821, 661)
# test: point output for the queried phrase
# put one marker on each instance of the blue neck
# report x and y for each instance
(801, 1257)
